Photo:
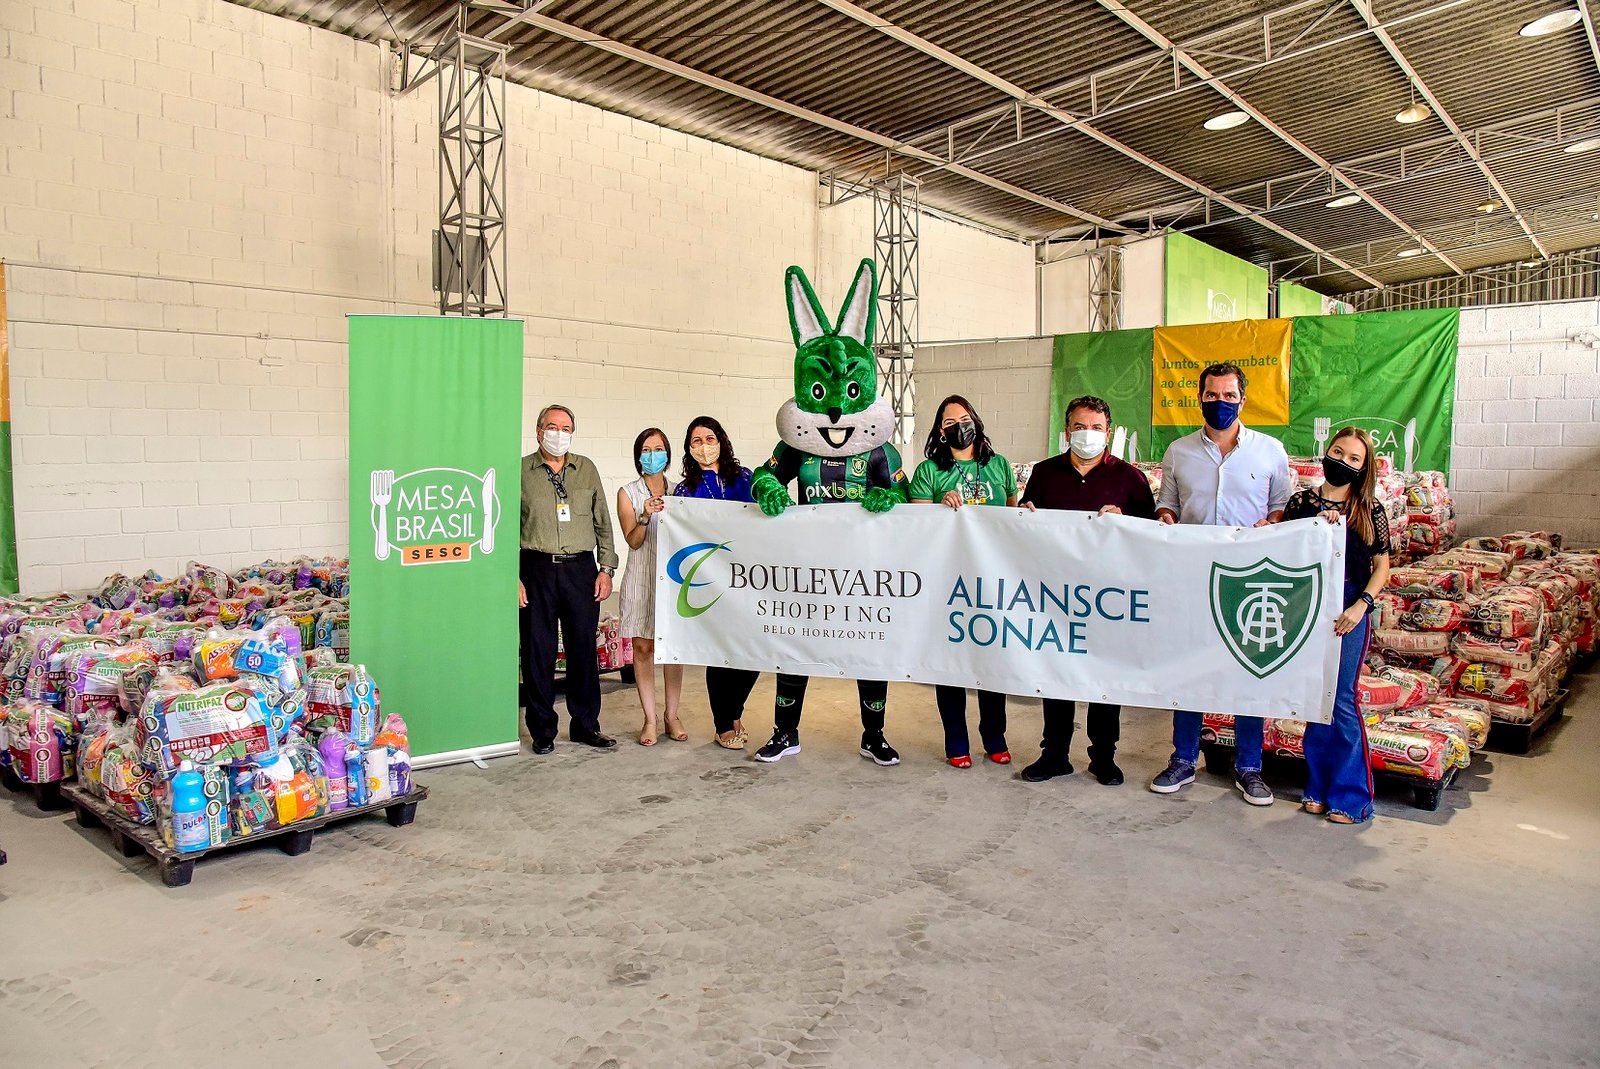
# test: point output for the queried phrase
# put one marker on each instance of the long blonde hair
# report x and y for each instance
(1363, 492)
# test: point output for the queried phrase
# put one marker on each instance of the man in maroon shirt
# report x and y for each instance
(1086, 478)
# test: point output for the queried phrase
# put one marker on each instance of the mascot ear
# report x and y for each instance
(858, 318)
(806, 317)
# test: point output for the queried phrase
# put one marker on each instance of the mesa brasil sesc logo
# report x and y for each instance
(1265, 612)
(692, 556)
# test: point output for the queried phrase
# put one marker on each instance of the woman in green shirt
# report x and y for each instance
(963, 469)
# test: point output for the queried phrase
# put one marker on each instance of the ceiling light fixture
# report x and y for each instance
(1552, 23)
(1531, 263)
(1588, 144)
(1227, 120)
(1413, 112)
(1345, 201)
(1489, 207)
(1406, 254)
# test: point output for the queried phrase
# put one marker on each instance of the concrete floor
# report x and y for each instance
(683, 906)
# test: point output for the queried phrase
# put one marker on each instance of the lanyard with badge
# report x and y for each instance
(558, 482)
(971, 484)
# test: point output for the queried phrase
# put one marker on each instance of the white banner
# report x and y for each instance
(1052, 604)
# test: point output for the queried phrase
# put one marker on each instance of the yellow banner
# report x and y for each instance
(1259, 346)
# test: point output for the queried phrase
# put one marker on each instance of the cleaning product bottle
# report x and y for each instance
(331, 749)
(399, 773)
(355, 767)
(189, 830)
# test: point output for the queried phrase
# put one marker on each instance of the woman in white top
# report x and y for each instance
(638, 505)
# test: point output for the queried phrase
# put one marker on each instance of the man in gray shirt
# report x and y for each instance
(567, 564)
(1227, 475)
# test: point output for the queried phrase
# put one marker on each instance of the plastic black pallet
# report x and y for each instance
(1512, 737)
(46, 796)
(177, 868)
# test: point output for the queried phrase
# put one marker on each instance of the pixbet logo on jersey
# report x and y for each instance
(433, 515)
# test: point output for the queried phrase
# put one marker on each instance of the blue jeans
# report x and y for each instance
(1339, 772)
(1247, 731)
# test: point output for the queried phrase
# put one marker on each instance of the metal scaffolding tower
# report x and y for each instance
(896, 218)
(1105, 288)
(469, 250)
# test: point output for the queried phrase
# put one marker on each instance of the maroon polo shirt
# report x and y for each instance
(1056, 484)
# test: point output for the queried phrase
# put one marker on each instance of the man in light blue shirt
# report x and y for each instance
(1225, 475)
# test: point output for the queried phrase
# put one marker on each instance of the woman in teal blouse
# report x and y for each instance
(963, 469)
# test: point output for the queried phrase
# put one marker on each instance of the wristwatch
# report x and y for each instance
(610, 571)
(1368, 599)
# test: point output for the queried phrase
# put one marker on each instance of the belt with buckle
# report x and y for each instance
(560, 558)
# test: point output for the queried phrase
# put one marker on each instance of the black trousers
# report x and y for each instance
(728, 689)
(560, 595)
(791, 701)
(1104, 725)
(991, 720)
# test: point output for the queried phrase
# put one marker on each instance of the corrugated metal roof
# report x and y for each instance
(1331, 84)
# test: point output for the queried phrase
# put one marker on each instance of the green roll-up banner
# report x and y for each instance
(8, 517)
(435, 504)
(1298, 301)
(1206, 285)
(1113, 366)
(1391, 373)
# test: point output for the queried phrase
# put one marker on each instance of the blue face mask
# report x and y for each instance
(653, 461)
(1220, 414)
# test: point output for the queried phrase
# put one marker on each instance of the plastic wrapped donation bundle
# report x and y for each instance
(342, 697)
(218, 722)
(39, 739)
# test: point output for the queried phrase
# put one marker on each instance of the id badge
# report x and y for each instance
(564, 512)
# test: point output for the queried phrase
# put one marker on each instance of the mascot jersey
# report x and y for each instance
(825, 480)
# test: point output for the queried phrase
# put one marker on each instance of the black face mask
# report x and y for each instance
(1338, 473)
(961, 435)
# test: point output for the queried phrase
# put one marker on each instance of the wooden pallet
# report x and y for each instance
(132, 839)
(1425, 793)
(46, 796)
(1512, 737)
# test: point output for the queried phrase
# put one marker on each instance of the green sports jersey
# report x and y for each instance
(994, 483)
(823, 480)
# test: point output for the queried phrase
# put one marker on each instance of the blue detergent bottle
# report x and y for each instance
(189, 828)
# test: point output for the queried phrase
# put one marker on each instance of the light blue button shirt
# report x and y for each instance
(1201, 485)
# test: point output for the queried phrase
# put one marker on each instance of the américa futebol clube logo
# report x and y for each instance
(700, 552)
(433, 515)
(1265, 612)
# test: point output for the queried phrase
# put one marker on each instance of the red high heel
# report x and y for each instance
(1001, 758)
(960, 762)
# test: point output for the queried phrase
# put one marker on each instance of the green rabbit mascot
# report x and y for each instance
(835, 445)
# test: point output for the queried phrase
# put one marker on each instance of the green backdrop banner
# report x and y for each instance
(1206, 285)
(1390, 373)
(1298, 301)
(1113, 366)
(8, 518)
(435, 507)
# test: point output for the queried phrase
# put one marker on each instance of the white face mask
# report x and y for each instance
(1086, 445)
(707, 454)
(556, 443)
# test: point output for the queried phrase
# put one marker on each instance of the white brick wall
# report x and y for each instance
(1527, 434)
(195, 194)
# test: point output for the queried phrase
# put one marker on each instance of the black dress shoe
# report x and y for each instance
(596, 739)
(1108, 773)
(543, 746)
(1046, 768)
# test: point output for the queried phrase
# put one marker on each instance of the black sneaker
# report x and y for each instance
(877, 747)
(1106, 772)
(1253, 787)
(1046, 768)
(782, 745)
(1177, 774)
(544, 746)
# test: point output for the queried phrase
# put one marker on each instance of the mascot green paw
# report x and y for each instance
(880, 499)
(769, 494)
